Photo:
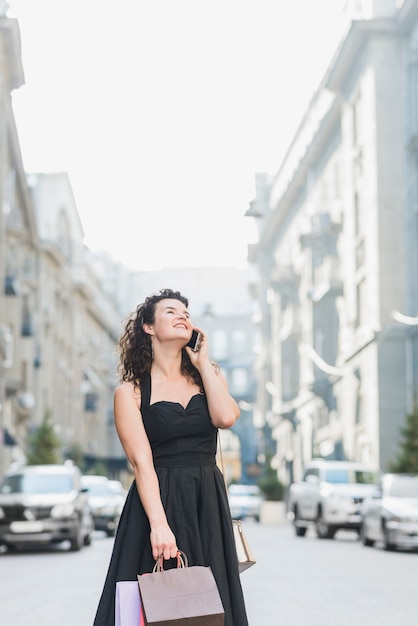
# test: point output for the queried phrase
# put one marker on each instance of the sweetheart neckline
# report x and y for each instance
(176, 402)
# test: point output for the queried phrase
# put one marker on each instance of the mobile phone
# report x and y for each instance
(194, 342)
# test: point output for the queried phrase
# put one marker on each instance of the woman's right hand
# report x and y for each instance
(163, 542)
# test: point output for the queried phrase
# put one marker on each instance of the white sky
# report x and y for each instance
(162, 112)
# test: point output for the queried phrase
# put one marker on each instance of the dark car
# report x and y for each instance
(106, 499)
(390, 515)
(44, 504)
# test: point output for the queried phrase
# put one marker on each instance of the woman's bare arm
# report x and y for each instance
(134, 440)
(223, 409)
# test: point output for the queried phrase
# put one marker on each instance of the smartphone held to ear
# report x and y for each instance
(195, 340)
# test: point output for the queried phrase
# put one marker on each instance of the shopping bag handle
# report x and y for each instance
(182, 561)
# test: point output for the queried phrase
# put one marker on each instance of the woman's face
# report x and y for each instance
(171, 321)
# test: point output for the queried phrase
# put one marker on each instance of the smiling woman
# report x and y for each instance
(168, 408)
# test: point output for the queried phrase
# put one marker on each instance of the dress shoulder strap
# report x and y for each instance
(145, 386)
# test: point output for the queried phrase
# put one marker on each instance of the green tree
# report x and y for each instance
(407, 459)
(270, 485)
(75, 454)
(44, 446)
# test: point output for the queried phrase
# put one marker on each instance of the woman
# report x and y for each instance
(168, 408)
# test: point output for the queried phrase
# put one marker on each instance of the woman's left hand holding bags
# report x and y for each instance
(181, 595)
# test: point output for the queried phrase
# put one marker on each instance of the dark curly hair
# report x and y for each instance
(135, 349)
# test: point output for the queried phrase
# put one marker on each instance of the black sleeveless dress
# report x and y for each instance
(183, 441)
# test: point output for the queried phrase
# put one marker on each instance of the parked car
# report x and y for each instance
(106, 498)
(330, 496)
(44, 504)
(245, 501)
(390, 515)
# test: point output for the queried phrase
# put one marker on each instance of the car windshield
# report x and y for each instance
(244, 490)
(349, 476)
(404, 487)
(98, 489)
(116, 487)
(37, 483)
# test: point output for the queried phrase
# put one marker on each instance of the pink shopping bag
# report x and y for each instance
(128, 604)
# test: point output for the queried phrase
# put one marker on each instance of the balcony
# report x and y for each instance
(323, 232)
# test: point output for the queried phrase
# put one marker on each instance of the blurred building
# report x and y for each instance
(77, 325)
(337, 255)
(58, 327)
(19, 249)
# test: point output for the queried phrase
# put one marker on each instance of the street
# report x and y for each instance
(296, 581)
(308, 581)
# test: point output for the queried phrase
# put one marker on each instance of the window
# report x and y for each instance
(239, 381)
(404, 487)
(349, 476)
(238, 341)
(357, 120)
(360, 301)
(26, 329)
(220, 345)
(37, 483)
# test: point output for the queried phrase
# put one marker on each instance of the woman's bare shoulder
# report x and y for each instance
(128, 390)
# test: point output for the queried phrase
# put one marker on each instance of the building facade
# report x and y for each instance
(19, 249)
(336, 257)
(58, 326)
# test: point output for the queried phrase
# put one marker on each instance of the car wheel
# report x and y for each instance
(364, 538)
(387, 545)
(76, 543)
(87, 539)
(11, 547)
(299, 530)
(323, 530)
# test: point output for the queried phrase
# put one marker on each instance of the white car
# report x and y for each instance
(245, 501)
(106, 499)
(390, 515)
(330, 496)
